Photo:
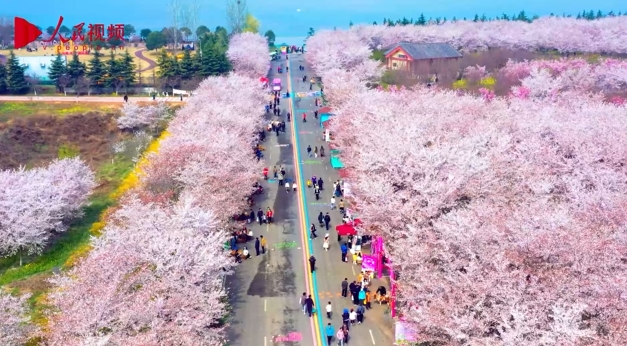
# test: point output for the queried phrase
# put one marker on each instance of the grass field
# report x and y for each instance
(10, 110)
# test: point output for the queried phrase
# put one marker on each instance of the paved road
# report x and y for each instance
(377, 328)
(265, 290)
(151, 63)
(100, 99)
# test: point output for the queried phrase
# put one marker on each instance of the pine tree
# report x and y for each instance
(75, 68)
(113, 70)
(3, 79)
(422, 20)
(187, 66)
(97, 71)
(16, 81)
(57, 69)
(209, 63)
(168, 67)
(127, 68)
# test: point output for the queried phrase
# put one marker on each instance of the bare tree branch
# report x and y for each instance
(236, 11)
(175, 7)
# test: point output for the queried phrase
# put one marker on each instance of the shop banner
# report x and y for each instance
(368, 262)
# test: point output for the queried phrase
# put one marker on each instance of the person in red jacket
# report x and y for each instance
(304, 117)
(269, 215)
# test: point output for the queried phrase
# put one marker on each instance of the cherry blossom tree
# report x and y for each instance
(249, 54)
(15, 324)
(563, 34)
(38, 202)
(209, 149)
(501, 206)
(135, 116)
(155, 277)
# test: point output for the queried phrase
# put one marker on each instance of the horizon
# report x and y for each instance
(291, 23)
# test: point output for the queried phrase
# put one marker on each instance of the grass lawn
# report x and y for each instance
(14, 109)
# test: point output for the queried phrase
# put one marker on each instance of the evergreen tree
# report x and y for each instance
(3, 79)
(16, 81)
(75, 68)
(422, 20)
(187, 66)
(97, 71)
(209, 63)
(126, 68)
(476, 19)
(168, 67)
(113, 70)
(57, 69)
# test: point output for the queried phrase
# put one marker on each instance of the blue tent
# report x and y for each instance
(336, 163)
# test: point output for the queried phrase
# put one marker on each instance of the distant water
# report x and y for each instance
(37, 65)
(290, 40)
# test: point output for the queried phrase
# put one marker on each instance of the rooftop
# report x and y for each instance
(419, 51)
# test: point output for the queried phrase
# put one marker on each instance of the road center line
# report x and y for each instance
(265, 303)
(371, 337)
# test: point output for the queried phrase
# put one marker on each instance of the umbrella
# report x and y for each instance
(345, 229)
(325, 110)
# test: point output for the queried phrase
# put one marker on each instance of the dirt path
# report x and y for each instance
(151, 63)
(120, 99)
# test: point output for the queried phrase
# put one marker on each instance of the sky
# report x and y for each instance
(283, 17)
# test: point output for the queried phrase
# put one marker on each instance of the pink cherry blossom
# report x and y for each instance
(135, 116)
(155, 277)
(37, 202)
(14, 320)
(249, 54)
(494, 211)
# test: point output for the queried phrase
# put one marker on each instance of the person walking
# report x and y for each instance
(316, 114)
(260, 216)
(362, 296)
(304, 117)
(329, 310)
(340, 336)
(346, 318)
(281, 179)
(344, 250)
(317, 192)
(251, 217)
(302, 302)
(330, 332)
(269, 214)
(321, 219)
(325, 243)
(332, 202)
(327, 221)
(263, 244)
(345, 334)
(309, 305)
(345, 287)
(316, 152)
(353, 317)
(321, 151)
(320, 182)
(294, 186)
(309, 150)
(312, 232)
(360, 314)
(275, 172)
(257, 245)
(288, 116)
(287, 187)
(312, 263)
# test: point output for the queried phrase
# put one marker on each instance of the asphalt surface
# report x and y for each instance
(265, 290)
